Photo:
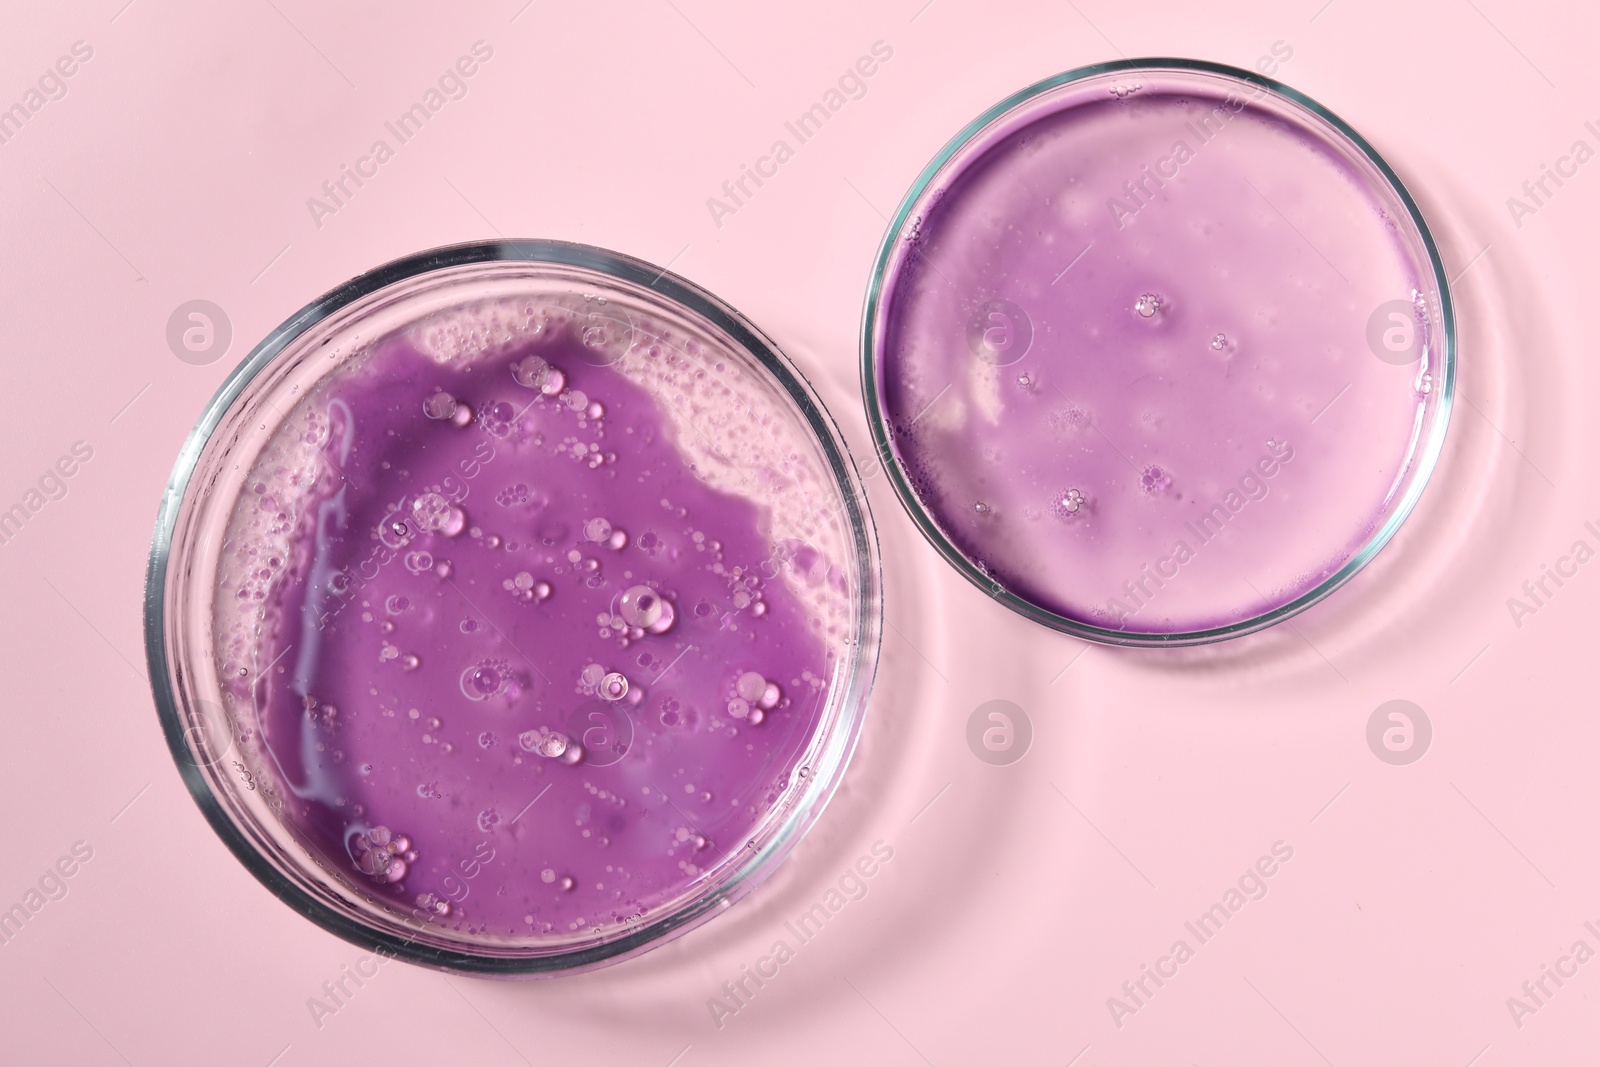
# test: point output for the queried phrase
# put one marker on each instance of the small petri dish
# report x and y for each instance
(513, 608)
(1158, 352)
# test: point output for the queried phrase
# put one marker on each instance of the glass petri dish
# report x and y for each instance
(513, 608)
(1158, 352)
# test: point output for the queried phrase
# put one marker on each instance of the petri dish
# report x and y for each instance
(513, 608)
(1158, 352)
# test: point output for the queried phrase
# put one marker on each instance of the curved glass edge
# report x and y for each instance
(853, 700)
(886, 457)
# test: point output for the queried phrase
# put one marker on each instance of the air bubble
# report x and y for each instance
(669, 615)
(640, 606)
(982, 509)
(440, 405)
(613, 686)
(419, 562)
(751, 685)
(597, 529)
(482, 681)
(531, 371)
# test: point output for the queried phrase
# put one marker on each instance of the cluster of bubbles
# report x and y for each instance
(525, 587)
(433, 512)
(1069, 504)
(382, 854)
(1069, 418)
(1219, 342)
(754, 696)
(600, 531)
(614, 686)
(1154, 480)
(551, 744)
(685, 835)
(645, 609)
(535, 372)
(577, 400)
(746, 590)
(484, 679)
(549, 877)
(444, 407)
(496, 419)
(434, 903)
(512, 495)
(607, 685)
(1148, 305)
(410, 661)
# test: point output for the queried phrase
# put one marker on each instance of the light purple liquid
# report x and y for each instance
(1136, 383)
(518, 661)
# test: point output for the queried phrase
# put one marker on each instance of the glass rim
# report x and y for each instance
(856, 673)
(886, 457)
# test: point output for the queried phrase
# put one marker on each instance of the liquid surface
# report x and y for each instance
(1156, 362)
(520, 663)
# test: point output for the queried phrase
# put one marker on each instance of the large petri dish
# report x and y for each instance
(1158, 352)
(513, 608)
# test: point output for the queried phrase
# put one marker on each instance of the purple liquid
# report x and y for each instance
(1127, 360)
(529, 672)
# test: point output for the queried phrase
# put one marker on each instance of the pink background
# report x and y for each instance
(1419, 898)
